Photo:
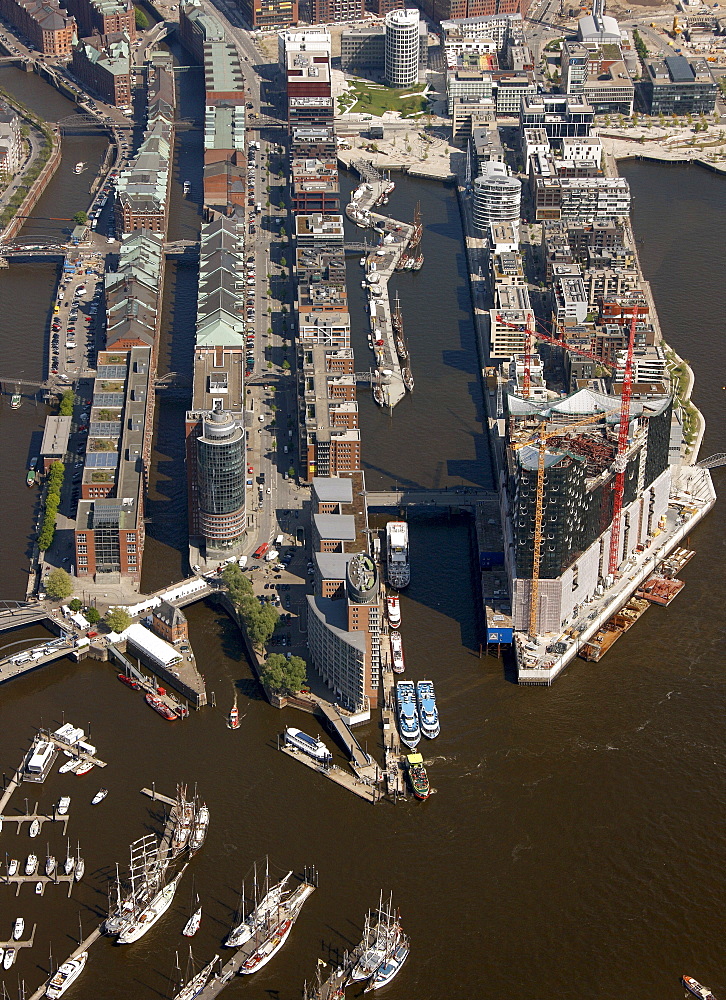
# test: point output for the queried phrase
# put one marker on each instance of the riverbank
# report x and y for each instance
(43, 161)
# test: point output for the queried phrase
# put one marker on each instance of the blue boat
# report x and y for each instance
(408, 723)
(427, 710)
(391, 967)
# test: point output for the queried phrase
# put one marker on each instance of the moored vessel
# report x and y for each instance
(34, 828)
(269, 902)
(379, 938)
(407, 379)
(314, 748)
(693, 986)
(389, 969)
(199, 828)
(144, 920)
(193, 923)
(66, 975)
(9, 958)
(397, 661)
(408, 722)
(31, 865)
(161, 707)
(417, 776)
(397, 567)
(129, 681)
(393, 607)
(187, 188)
(379, 397)
(271, 935)
(196, 984)
(18, 928)
(13, 867)
(31, 474)
(184, 821)
(50, 866)
(427, 710)
(15, 401)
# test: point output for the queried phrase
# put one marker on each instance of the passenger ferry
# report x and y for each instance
(393, 607)
(408, 722)
(693, 986)
(316, 749)
(427, 710)
(399, 572)
(30, 477)
(397, 661)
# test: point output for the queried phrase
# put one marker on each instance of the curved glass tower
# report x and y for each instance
(221, 480)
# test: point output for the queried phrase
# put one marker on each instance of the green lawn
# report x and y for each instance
(373, 99)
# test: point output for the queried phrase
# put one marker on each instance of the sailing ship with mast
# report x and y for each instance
(380, 935)
(397, 324)
(199, 828)
(273, 932)
(192, 925)
(143, 920)
(184, 821)
(145, 874)
(196, 983)
(264, 905)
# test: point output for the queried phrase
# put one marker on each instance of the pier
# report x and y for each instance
(83, 946)
(366, 790)
(55, 879)
(380, 263)
(291, 908)
(19, 944)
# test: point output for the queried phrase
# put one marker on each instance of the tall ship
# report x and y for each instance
(272, 934)
(268, 902)
(184, 821)
(146, 872)
(194, 986)
(397, 567)
(397, 324)
(66, 976)
(397, 661)
(408, 722)
(693, 986)
(427, 710)
(380, 932)
(199, 828)
(143, 920)
(393, 964)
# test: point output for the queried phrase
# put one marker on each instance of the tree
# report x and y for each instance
(284, 676)
(142, 21)
(59, 584)
(93, 615)
(66, 403)
(80, 219)
(75, 604)
(118, 620)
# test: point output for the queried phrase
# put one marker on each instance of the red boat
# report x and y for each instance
(158, 705)
(129, 681)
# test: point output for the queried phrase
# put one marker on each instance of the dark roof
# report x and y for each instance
(169, 614)
(679, 69)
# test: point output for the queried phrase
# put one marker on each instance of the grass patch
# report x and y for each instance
(373, 99)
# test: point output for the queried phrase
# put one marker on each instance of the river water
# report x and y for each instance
(573, 847)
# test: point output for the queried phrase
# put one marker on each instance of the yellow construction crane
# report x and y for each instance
(542, 437)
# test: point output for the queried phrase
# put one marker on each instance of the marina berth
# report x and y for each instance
(66, 976)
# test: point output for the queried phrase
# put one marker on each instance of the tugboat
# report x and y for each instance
(129, 681)
(417, 776)
(233, 718)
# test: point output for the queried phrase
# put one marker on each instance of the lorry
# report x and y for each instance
(271, 555)
(258, 207)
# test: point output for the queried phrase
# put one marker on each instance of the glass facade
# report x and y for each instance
(221, 478)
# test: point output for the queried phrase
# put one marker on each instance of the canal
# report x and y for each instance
(570, 849)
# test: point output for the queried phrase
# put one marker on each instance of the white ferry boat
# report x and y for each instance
(79, 167)
(66, 974)
(398, 569)
(693, 986)
(427, 710)
(408, 722)
(393, 607)
(316, 749)
(397, 653)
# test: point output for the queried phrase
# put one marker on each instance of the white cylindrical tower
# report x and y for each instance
(402, 48)
(497, 197)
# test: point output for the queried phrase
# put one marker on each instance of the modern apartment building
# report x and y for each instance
(677, 86)
(363, 47)
(497, 196)
(509, 321)
(558, 115)
(345, 612)
(11, 142)
(328, 411)
(215, 432)
(337, 11)
(269, 13)
(304, 59)
(314, 185)
(402, 47)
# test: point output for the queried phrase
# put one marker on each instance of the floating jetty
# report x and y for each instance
(19, 944)
(396, 237)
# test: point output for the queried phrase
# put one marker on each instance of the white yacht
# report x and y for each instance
(397, 663)
(66, 974)
(18, 928)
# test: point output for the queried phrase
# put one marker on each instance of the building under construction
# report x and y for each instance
(578, 497)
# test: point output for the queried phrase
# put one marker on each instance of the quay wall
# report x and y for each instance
(39, 184)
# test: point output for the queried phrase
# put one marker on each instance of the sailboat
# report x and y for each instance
(194, 986)
(184, 821)
(380, 935)
(269, 902)
(192, 925)
(143, 920)
(233, 718)
(145, 873)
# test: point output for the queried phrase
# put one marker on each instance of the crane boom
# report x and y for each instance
(621, 458)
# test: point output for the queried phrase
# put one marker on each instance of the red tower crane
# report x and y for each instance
(621, 457)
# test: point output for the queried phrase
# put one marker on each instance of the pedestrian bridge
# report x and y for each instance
(455, 496)
(713, 461)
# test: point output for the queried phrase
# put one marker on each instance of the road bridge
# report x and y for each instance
(455, 496)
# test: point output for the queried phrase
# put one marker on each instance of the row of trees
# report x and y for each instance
(52, 503)
(66, 404)
(260, 620)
